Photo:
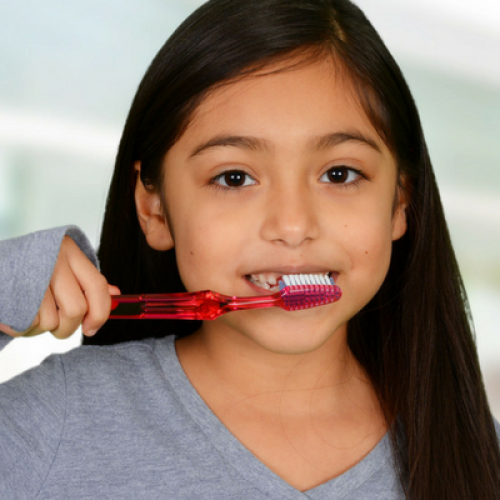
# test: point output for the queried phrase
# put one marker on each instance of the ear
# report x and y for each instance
(151, 218)
(399, 213)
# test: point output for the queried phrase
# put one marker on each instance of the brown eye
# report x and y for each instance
(341, 175)
(234, 179)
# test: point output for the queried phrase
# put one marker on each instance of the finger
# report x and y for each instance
(95, 288)
(91, 325)
(114, 290)
(47, 319)
(32, 331)
(69, 299)
(48, 316)
(98, 294)
(9, 331)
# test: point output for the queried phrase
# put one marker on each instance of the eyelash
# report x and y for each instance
(215, 181)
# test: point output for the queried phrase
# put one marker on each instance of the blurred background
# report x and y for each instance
(69, 70)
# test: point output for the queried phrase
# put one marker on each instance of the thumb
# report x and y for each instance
(9, 331)
(114, 290)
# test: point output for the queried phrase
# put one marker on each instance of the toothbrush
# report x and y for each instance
(295, 292)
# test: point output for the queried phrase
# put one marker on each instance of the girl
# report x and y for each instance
(266, 138)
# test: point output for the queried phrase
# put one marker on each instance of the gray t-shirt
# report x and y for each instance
(123, 422)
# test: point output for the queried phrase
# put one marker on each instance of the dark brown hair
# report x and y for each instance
(414, 338)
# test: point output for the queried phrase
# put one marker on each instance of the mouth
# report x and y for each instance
(270, 281)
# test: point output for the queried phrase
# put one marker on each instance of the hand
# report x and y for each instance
(78, 294)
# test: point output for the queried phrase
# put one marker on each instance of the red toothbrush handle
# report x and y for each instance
(206, 305)
(203, 305)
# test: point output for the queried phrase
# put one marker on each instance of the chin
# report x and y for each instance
(297, 332)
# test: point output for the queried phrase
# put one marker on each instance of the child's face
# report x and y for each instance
(312, 190)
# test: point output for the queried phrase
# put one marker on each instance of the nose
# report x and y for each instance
(290, 216)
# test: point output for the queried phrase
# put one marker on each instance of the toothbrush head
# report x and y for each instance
(303, 291)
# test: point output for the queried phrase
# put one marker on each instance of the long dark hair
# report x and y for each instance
(414, 338)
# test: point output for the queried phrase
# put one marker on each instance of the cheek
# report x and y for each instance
(370, 247)
(208, 246)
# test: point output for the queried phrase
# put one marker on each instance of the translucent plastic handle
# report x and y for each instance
(207, 305)
(203, 305)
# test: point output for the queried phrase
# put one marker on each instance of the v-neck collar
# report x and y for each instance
(245, 462)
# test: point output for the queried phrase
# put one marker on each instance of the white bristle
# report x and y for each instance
(307, 279)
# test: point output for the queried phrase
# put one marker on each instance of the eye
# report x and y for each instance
(341, 175)
(234, 179)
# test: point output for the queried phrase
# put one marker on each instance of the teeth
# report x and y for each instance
(265, 280)
(270, 280)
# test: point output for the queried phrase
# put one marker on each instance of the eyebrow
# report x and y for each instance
(244, 142)
(258, 144)
(331, 140)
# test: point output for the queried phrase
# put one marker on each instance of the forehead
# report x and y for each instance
(320, 91)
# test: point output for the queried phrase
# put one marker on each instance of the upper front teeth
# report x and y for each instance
(270, 280)
(265, 280)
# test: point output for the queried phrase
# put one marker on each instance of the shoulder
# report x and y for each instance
(130, 373)
(113, 388)
(125, 363)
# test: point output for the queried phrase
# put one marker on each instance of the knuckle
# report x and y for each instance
(76, 310)
(49, 324)
(98, 316)
(100, 284)
(101, 281)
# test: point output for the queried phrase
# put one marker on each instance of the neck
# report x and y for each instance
(308, 417)
(227, 368)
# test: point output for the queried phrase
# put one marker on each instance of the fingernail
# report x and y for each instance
(90, 333)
